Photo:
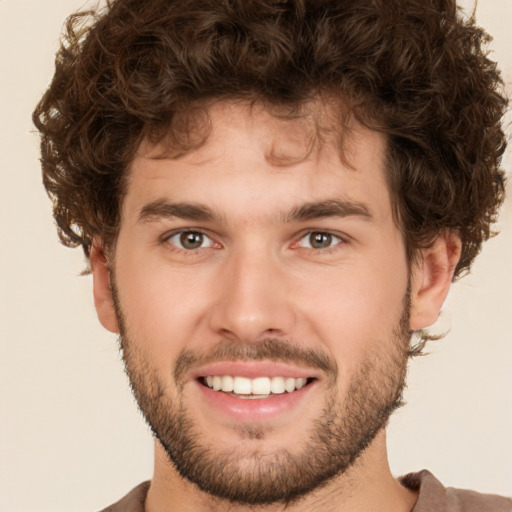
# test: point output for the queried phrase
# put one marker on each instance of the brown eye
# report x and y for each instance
(319, 240)
(190, 240)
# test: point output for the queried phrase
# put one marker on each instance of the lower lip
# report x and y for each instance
(254, 409)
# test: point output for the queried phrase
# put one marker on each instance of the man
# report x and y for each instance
(273, 197)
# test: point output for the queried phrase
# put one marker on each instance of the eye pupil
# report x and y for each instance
(320, 240)
(191, 240)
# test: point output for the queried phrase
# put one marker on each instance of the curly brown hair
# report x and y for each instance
(416, 70)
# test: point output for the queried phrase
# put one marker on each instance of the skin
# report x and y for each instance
(257, 275)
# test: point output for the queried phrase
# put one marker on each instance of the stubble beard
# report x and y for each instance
(332, 444)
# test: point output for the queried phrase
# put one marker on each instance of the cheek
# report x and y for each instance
(357, 311)
(162, 309)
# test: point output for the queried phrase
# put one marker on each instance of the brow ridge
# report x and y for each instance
(162, 208)
(329, 208)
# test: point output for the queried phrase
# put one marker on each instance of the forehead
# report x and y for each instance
(265, 158)
(287, 134)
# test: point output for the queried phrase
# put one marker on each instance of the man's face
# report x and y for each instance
(256, 263)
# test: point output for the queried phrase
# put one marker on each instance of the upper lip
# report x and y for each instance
(252, 369)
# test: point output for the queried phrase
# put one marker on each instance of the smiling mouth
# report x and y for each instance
(260, 387)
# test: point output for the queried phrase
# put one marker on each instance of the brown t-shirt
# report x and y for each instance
(433, 497)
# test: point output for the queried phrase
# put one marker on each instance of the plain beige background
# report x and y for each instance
(71, 438)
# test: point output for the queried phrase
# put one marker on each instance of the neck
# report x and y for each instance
(365, 487)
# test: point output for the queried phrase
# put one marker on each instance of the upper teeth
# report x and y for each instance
(258, 386)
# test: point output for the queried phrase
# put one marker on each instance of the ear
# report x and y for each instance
(431, 279)
(103, 300)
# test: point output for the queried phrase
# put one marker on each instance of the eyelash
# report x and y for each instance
(167, 239)
(333, 238)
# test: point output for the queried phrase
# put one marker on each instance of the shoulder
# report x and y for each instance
(434, 496)
(132, 502)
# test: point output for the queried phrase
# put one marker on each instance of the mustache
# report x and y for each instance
(270, 349)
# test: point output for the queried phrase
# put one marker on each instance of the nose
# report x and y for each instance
(254, 300)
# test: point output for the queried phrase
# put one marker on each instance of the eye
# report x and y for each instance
(319, 240)
(190, 240)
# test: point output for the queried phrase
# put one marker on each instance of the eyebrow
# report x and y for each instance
(162, 208)
(329, 208)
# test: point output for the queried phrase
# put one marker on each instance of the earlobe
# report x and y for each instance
(103, 300)
(432, 278)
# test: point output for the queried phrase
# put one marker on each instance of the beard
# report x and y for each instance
(332, 444)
